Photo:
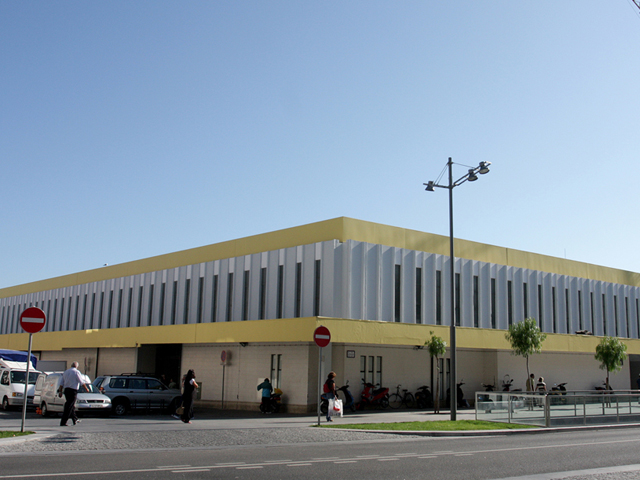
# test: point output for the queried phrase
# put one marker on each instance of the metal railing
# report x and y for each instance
(559, 408)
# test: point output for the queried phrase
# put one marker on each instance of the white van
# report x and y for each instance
(89, 399)
(12, 381)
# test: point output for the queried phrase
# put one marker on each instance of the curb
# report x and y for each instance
(488, 433)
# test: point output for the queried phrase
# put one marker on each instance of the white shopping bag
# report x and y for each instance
(336, 408)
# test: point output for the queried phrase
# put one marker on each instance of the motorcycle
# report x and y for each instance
(275, 401)
(424, 398)
(348, 400)
(486, 399)
(373, 397)
(559, 389)
(461, 402)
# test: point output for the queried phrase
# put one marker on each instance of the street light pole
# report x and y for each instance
(470, 176)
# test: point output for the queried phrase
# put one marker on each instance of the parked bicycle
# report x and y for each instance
(396, 400)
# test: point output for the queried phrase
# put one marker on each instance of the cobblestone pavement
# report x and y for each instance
(176, 439)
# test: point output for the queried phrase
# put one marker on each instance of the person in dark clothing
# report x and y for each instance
(329, 390)
(188, 396)
(267, 389)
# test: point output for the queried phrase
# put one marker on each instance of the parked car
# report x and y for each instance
(89, 400)
(130, 392)
(12, 380)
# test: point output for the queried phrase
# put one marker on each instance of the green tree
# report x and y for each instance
(437, 347)
(526, 339)
(611, 352)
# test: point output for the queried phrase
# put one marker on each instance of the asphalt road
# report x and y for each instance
(286, 447)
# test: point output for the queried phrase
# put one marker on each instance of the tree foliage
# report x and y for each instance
(437, 347)
(611, 353)
(526, 339)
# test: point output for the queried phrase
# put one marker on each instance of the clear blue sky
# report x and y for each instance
(133, 129)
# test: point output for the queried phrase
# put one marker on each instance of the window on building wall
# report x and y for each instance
(129, 307)
(276, 370)
(93, 309)
(615, 316)
(263, 293)
(540, 307)
(84, 312)
(150, 310)
(200, 310)
(567, 309)
(298, 300)
(457, 277)
(230, 298)
(187, 300)
(580, 321)
(109, 310)
(438, 297)
(397, 293)
(371, 369)
(163, 289)
(174, 302)
(245, 294)
(604, 315)
(418, 295)
(476, 305)
(510, 302)
(525, 299)
(626, 316)
(214, 299)
(493, 303)
(317, 284)
(140, 297)
(100, 314)
(75, 315)
(280, 302)
(554, 310)
(593, 314)
(62, 326)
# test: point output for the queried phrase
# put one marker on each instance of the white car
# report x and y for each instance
(89, 400)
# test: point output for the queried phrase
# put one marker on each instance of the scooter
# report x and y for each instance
(373, 397)
(348, 400)
(274, 402)
(559, 389)
(486, 399)
(461, 402)
(424, 398)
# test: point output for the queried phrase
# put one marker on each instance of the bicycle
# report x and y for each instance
(396, 400)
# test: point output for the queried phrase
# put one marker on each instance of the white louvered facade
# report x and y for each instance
(352, 280)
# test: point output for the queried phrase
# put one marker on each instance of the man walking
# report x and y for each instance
(71, 381)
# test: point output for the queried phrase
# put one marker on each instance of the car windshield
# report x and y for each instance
(18, 377)
(89, 387)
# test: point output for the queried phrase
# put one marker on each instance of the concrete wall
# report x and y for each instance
(86, 357)
(114, 361)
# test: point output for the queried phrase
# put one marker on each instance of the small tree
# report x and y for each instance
(437, 347)
(526, 339)
(611, 352)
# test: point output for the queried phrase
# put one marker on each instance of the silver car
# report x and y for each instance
(134, 392)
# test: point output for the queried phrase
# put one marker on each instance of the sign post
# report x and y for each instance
(32, 320)
(322, 337)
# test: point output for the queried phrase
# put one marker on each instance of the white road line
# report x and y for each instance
(298, 465)
(165, 467)
(346, 461)
(249, 468)
(429, 456)
(387, 459)
(191, 470)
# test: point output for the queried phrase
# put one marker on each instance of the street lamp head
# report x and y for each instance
(471, 176)
(484, 167)
(429, 186)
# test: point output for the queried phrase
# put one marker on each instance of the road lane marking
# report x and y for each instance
(249, 467)
(346, 461)
(387, 459)
(191, 470)
(298, 464)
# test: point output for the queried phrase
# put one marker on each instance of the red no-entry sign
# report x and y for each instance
(32, 320)
(322, 336)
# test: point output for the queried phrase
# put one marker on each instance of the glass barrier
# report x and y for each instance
(567, 408)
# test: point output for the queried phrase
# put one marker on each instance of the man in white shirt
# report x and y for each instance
(72, 379)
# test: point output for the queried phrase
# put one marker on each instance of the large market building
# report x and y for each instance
(380, 290)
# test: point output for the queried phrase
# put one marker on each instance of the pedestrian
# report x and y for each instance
(329, 392)
(541, 387)
(266, 388)
(72, 379)
(190, 388)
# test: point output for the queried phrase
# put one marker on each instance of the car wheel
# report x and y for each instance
(5, 404)
(120, 407)
(44, 411)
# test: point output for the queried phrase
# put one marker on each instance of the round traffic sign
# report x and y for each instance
(322, 336)
(32, 320)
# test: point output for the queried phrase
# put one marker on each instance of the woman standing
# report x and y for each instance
(189, 394)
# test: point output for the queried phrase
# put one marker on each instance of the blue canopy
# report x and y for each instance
(17, 356)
